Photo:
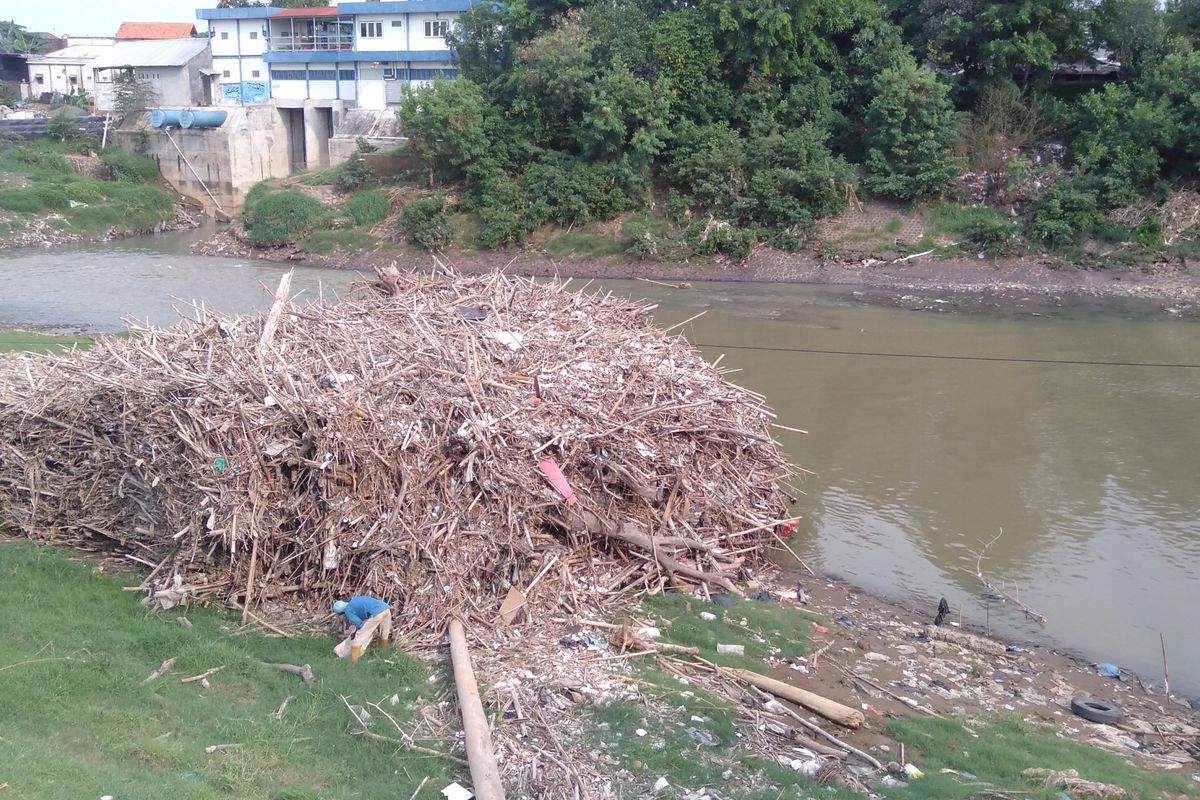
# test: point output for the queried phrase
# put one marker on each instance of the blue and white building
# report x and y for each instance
(355, 55)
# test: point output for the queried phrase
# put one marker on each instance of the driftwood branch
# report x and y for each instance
(996, 590)
(304, 673)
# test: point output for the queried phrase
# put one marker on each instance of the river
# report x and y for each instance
(929, 434)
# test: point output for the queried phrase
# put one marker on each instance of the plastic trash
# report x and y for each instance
(703, 737)
(764, 597)
(723, 600)
(820, 629)
(912, 773)
(649, 632)
(707, 616)
(457, 792)
(660, 784)
(1108, 670)
(731, 649)
(1015, 648)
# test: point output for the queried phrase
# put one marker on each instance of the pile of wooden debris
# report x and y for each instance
(438, 442)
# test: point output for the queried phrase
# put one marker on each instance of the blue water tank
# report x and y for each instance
(165, 117)
(202, 118)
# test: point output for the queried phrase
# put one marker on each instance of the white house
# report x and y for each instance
(65, 71)
(238, 37)
(179, 71)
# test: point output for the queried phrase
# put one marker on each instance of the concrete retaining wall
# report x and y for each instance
(251, 146)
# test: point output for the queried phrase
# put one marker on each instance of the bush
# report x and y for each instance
(502, 214)
(127, 165)
(45, 158)
(62, 128)
(352, 174)
(21, 201)
(425, 223)
(1117, 137)
(84, 191)
(570, 192)
(280, 218)
(983, 228)
(911, 129)
(1067, 214)
(368, 207)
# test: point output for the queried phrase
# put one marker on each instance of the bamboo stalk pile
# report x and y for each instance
(390, 444)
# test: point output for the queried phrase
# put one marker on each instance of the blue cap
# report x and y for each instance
(339, 606)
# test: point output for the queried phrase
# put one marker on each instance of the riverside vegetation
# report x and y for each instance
(714, 127)
(45, 196)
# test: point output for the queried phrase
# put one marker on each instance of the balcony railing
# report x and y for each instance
(282, 42)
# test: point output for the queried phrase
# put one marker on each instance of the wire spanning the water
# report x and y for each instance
(947, 357)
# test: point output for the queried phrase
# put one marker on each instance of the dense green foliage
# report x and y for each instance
(273, 219)
(745, 121)
(425, 222)
(126, 165)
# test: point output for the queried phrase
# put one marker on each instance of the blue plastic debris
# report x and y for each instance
(1016, 648)
(1108, 670)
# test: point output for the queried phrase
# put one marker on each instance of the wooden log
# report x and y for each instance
(481, 756)
(967, 640)
(830, 709)
(304, 673)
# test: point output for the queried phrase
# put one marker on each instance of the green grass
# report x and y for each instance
(584, 245)
(84, 205)
(79, 722)
(1004, 748)
(346, 240)
(368, 207)
(279, 218)
(770, 629)
(27, 342)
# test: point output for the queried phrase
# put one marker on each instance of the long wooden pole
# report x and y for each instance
(481, 756)
(830, 709)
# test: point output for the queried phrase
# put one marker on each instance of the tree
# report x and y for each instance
(911, 129)
(1134, 30)
(984, 41)
(480, 39)
(1117, 137)
(131, 94)
(15, 39)
(1174, 83)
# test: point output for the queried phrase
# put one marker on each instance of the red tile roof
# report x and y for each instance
(155, 30)
(327, 11)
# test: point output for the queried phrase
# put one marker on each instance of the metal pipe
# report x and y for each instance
(193, 169)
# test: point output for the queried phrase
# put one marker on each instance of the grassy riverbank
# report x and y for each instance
(75, 651)
(50, 193)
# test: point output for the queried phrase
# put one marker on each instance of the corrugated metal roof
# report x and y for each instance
(80, 53)
(327, 11)
(162, 53)
(155, 30)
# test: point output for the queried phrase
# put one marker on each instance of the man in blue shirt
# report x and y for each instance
(365, 615)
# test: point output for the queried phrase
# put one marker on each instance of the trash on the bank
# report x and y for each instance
(1062, 796)
(912, 773)
(472, 313)
(775, 707)
(876, 657)
(723, 600)
(553, 473)
(703, 737)
(649, 632)
(809, 767)
(641, 732)
(763, 597)
(660, 784)
(507, 338)
(1015, 648)
(455, 791)
(1107, 670)
(731, 649)
(892, 783)
(1070, 780)
(820, 629)
(708, 616)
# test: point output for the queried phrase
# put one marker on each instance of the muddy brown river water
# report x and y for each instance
(1075, 430)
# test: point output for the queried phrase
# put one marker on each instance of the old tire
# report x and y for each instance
(1095, 710)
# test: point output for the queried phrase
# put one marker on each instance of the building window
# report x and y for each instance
(225, 74)
(370, 30)
(390, 73)
(74, 80)
(436, 27)
(397, 23)
(253, 34)
(39, 79)
(224, 34)
(253, 73)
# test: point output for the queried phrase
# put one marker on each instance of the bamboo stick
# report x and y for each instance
(481, 756)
